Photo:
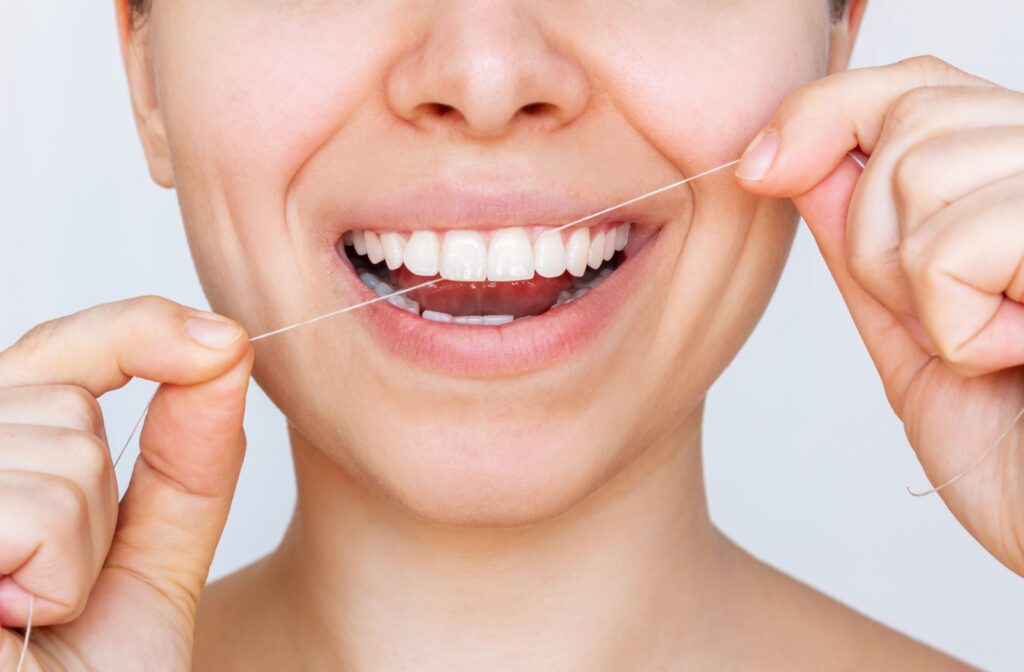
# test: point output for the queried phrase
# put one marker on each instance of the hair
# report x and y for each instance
(141, 7)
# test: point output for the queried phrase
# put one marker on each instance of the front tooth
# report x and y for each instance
(359, 241)
(374, 250)
(464, 256)
(576, 252)
(382, 288)
(549, 255)
(498, 320)
(595, 257)
(622, 237)
(475, 320)
(394, 248)
(609, 245)
(421, 253)
(435, 316)
(510, 256)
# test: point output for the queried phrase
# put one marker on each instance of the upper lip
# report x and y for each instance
(447, 206)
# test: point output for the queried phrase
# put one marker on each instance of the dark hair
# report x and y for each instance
(140, 7)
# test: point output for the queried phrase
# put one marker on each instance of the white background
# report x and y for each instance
(809, 476)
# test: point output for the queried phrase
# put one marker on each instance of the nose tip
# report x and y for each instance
(485, 71)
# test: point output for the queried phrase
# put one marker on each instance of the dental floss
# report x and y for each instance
(342, 311)
(28, 633)
(642, 197)
(981, 458)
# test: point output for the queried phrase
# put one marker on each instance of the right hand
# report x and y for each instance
(116, 587)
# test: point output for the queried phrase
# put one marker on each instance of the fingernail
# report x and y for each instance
(759, 157)
(214, 334)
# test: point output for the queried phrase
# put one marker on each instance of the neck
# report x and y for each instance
(375, 588)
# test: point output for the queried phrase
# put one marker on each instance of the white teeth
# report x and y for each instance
(394, 248)
(359, 241)
(595, 256)
(464, 256)
(379, 287)
(609, 245)
(421, 253)
(476, 320)
(622, 236)
(435, 316)
(576, 252)
(370, 280)
(549, 255)
(374, 251)
(510, 256)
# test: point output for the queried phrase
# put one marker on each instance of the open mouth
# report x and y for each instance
(486, 278)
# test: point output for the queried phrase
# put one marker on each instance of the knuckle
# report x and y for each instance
(911, 253)
(928, 66)
(80, 407)
(66, 504)
(913, 108)
(911, 170)
(860, 265)
(87, 452)
(148, 306)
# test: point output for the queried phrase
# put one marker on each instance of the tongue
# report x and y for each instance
(519, 299)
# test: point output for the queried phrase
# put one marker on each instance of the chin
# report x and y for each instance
(493, 478)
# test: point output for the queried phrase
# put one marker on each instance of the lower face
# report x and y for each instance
(327, 153)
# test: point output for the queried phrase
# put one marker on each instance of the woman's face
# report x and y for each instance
(284, 125)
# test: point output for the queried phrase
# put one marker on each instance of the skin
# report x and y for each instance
(579, 537)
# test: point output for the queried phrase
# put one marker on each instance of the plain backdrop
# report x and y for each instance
(806, 464)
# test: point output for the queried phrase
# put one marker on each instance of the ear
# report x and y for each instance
(844, 36)
(134, 37)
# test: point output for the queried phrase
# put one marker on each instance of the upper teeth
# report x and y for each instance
(468, 256)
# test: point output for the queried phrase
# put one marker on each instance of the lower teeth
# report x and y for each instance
(581, 286)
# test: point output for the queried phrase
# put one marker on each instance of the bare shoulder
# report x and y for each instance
(802, 628)
(236, 626)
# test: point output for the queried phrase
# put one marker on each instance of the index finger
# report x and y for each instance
(821, 122)
(102, 348)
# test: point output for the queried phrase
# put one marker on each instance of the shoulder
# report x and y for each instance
(236, 625)
(801, 628)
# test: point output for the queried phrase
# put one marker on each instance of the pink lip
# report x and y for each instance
(443, 206)
(482, 352)
(486, 352)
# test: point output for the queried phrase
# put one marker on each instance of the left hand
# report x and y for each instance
(927, 247)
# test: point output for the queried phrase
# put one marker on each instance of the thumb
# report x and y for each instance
(177, 503)
(895, 353)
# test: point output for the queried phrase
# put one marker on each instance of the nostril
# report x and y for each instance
(536, 109)
(440, 109)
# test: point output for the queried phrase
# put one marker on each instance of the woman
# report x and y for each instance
(522, 489)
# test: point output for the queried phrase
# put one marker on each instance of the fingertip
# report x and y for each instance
(213, 331)
(759, 157)
(222, 343)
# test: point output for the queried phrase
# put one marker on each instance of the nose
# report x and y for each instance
(485, 69)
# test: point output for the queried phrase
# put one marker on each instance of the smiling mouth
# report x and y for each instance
(486, 278)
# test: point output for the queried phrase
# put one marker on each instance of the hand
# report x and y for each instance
(115, 589)
(927, 247)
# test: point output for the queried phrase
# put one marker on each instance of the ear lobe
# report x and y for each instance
(844, 36)
(142, 88)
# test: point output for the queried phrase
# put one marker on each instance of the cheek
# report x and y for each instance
(249, 93)
(701, 83)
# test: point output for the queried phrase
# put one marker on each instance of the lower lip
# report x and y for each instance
(518, 347)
